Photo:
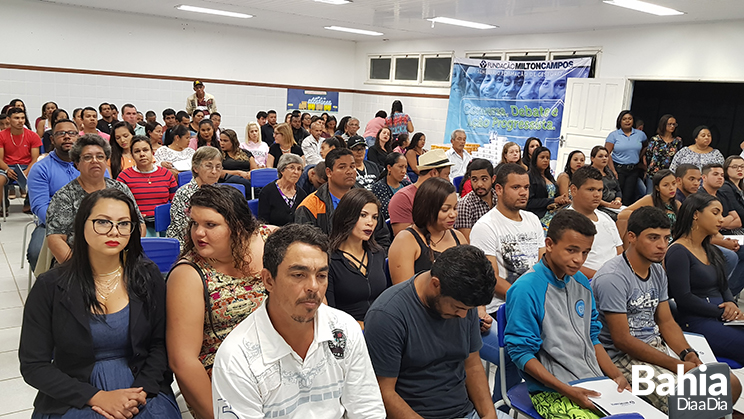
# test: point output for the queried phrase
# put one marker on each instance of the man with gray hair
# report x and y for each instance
(352, 126)
(90, 154)
(457, 154)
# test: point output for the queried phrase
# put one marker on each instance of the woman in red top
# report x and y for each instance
(151, 185)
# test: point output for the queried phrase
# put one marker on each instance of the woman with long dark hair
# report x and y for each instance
(206, 136)
(177, 152)
(237, 163)
(697, 280)
(215, 285)
(121, 148)
(544, 199)
(330, 127)
(93, 335)
(398, 122)
(662, 148)
(626, 148)
(434, 212)
(663, 197)
(382, 147)
(44, 122)
(414, 150)
(356, 275)
(576, 159)
(731, 192)
(196, 117)
(18, 103)
(529, 147)
(391, 180)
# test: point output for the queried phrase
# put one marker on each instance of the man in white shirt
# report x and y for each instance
(586, 190)
(512, 239)
(311, 143)
(457, 154)
(294, 356)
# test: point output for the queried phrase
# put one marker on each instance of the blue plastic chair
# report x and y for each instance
(237, 186)
(253, 205)
(184, 177)
(163, 251)
(456, 181)
(162, 217)
(262, 177)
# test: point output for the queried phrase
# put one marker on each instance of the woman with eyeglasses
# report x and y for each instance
(216, 284)
(93, 332)
(206, 166)
(731, 194)
(662, 148)
(90, 154)
(279, 199)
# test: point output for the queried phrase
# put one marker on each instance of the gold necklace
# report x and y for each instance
(104, 290)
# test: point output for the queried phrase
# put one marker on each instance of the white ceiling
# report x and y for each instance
(405, 19)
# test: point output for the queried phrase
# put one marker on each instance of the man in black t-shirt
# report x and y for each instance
(107, 118)
(298, 132)
(423, 337)
(267, 129)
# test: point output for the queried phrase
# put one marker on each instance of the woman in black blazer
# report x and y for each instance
(93, 335)
(544, 198)
(279, 199)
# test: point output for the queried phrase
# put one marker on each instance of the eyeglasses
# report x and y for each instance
(90, 157)
(104, 227)
(59, 134)
(737, 167)
(210, 167)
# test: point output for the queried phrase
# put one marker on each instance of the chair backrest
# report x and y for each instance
(501, 324)
(237, 186)
(162, 217)
(253, 205)
(387, 274)
(262, 177)
(163, 251)
(456, 181)
(184, 177)
(389, 227)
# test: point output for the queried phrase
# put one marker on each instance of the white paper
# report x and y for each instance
(700, 345)
(617, 210)
(182, 165)
(611, 402)
(734, 323)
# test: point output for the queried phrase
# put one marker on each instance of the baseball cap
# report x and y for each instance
(198, 83)
(356, 140)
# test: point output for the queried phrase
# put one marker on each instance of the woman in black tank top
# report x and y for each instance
(415, 249)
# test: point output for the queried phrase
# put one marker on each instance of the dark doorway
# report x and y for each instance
(717, 105)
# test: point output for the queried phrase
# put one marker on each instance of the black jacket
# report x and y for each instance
(56, 349)
(272, 209)
(317, 209)
(731, 200)
(538, 201)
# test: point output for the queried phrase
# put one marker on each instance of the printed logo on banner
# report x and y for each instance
(702, 393)
(312, 100)
(509, 100)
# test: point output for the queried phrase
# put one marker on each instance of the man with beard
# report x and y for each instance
(47, 177)
(480, 200)
(424, 336)
(295, 354)
(632, 299)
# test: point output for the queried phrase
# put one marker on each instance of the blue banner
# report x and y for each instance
(501, 101)
(312, 100)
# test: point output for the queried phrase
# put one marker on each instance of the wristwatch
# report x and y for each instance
(686, 352)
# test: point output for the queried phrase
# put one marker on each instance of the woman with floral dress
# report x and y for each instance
(661, 148)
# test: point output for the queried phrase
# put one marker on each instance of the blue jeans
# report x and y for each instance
(734, 268)
(34, 245)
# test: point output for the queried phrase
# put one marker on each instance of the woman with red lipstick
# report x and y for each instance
(415, 249)
(220, 269)
(93, 336)
(121, 148)
(665, 189)
(356, 271)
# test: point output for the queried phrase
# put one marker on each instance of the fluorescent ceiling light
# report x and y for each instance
(212, 11)
(352, 30)
(334, 1)
(458, 22)
(644, 7)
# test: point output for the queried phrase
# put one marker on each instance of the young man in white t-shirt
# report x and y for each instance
(512, 239)
(586, 190)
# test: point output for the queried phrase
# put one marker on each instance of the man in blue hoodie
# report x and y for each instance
(46, 177)
(552, 327)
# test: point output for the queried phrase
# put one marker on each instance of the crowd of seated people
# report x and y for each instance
(364, 263)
